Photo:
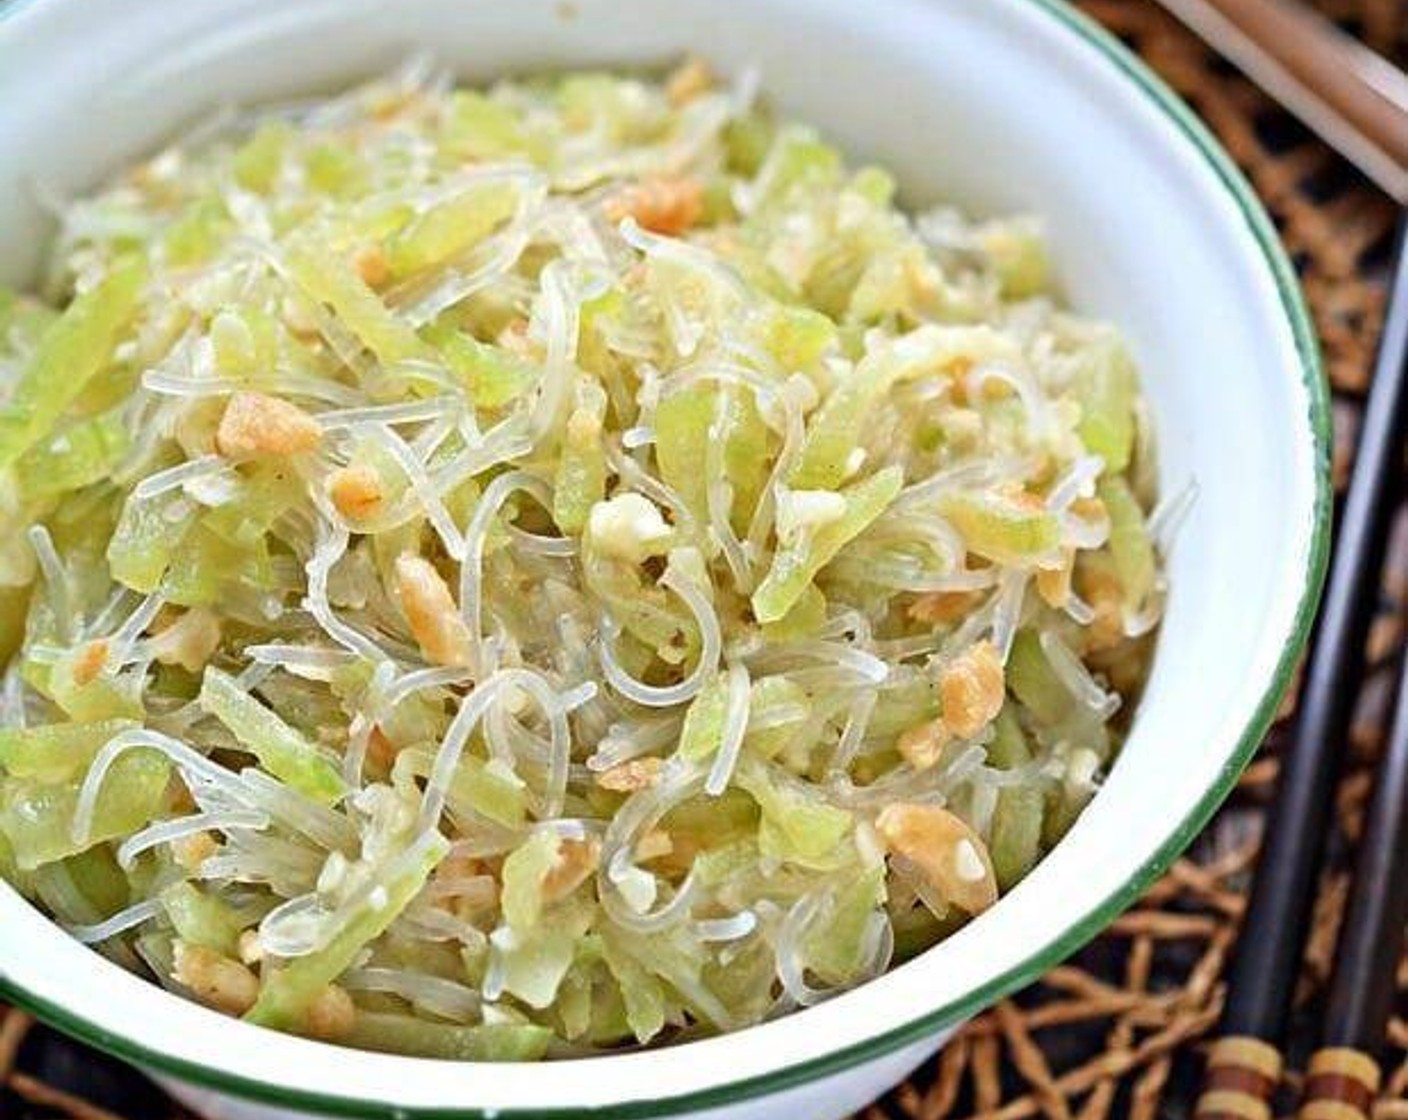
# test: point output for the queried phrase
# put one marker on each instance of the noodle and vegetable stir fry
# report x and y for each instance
(536, 570)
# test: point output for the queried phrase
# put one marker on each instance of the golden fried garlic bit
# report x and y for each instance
(665, 204)
(949, 853)
(216, 980)
(431, 612)
(627, 777)
(971, 690)
(356, 491)
(255, 425)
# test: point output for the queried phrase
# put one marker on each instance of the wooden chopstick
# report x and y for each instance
(1356, 100)
(1245, 1063)
(1343, 1074)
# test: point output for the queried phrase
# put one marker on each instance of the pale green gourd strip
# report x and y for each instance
(73, 350)
(280, 749)
(288, 989)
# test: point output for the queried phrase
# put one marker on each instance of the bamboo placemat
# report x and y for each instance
(1114, 1033)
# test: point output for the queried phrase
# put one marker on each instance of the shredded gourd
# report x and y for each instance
(524, 571)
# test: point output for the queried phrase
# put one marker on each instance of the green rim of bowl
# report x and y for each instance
(932, 1022)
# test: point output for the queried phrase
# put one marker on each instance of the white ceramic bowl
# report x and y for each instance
(1007, 104)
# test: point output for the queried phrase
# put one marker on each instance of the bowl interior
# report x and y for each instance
(999, 106)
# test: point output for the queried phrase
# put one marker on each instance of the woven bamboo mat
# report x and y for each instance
(1116, 1032)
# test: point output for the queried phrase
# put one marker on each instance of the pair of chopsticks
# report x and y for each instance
(1355, 100)
(1245, 1063)
(1358, 103)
